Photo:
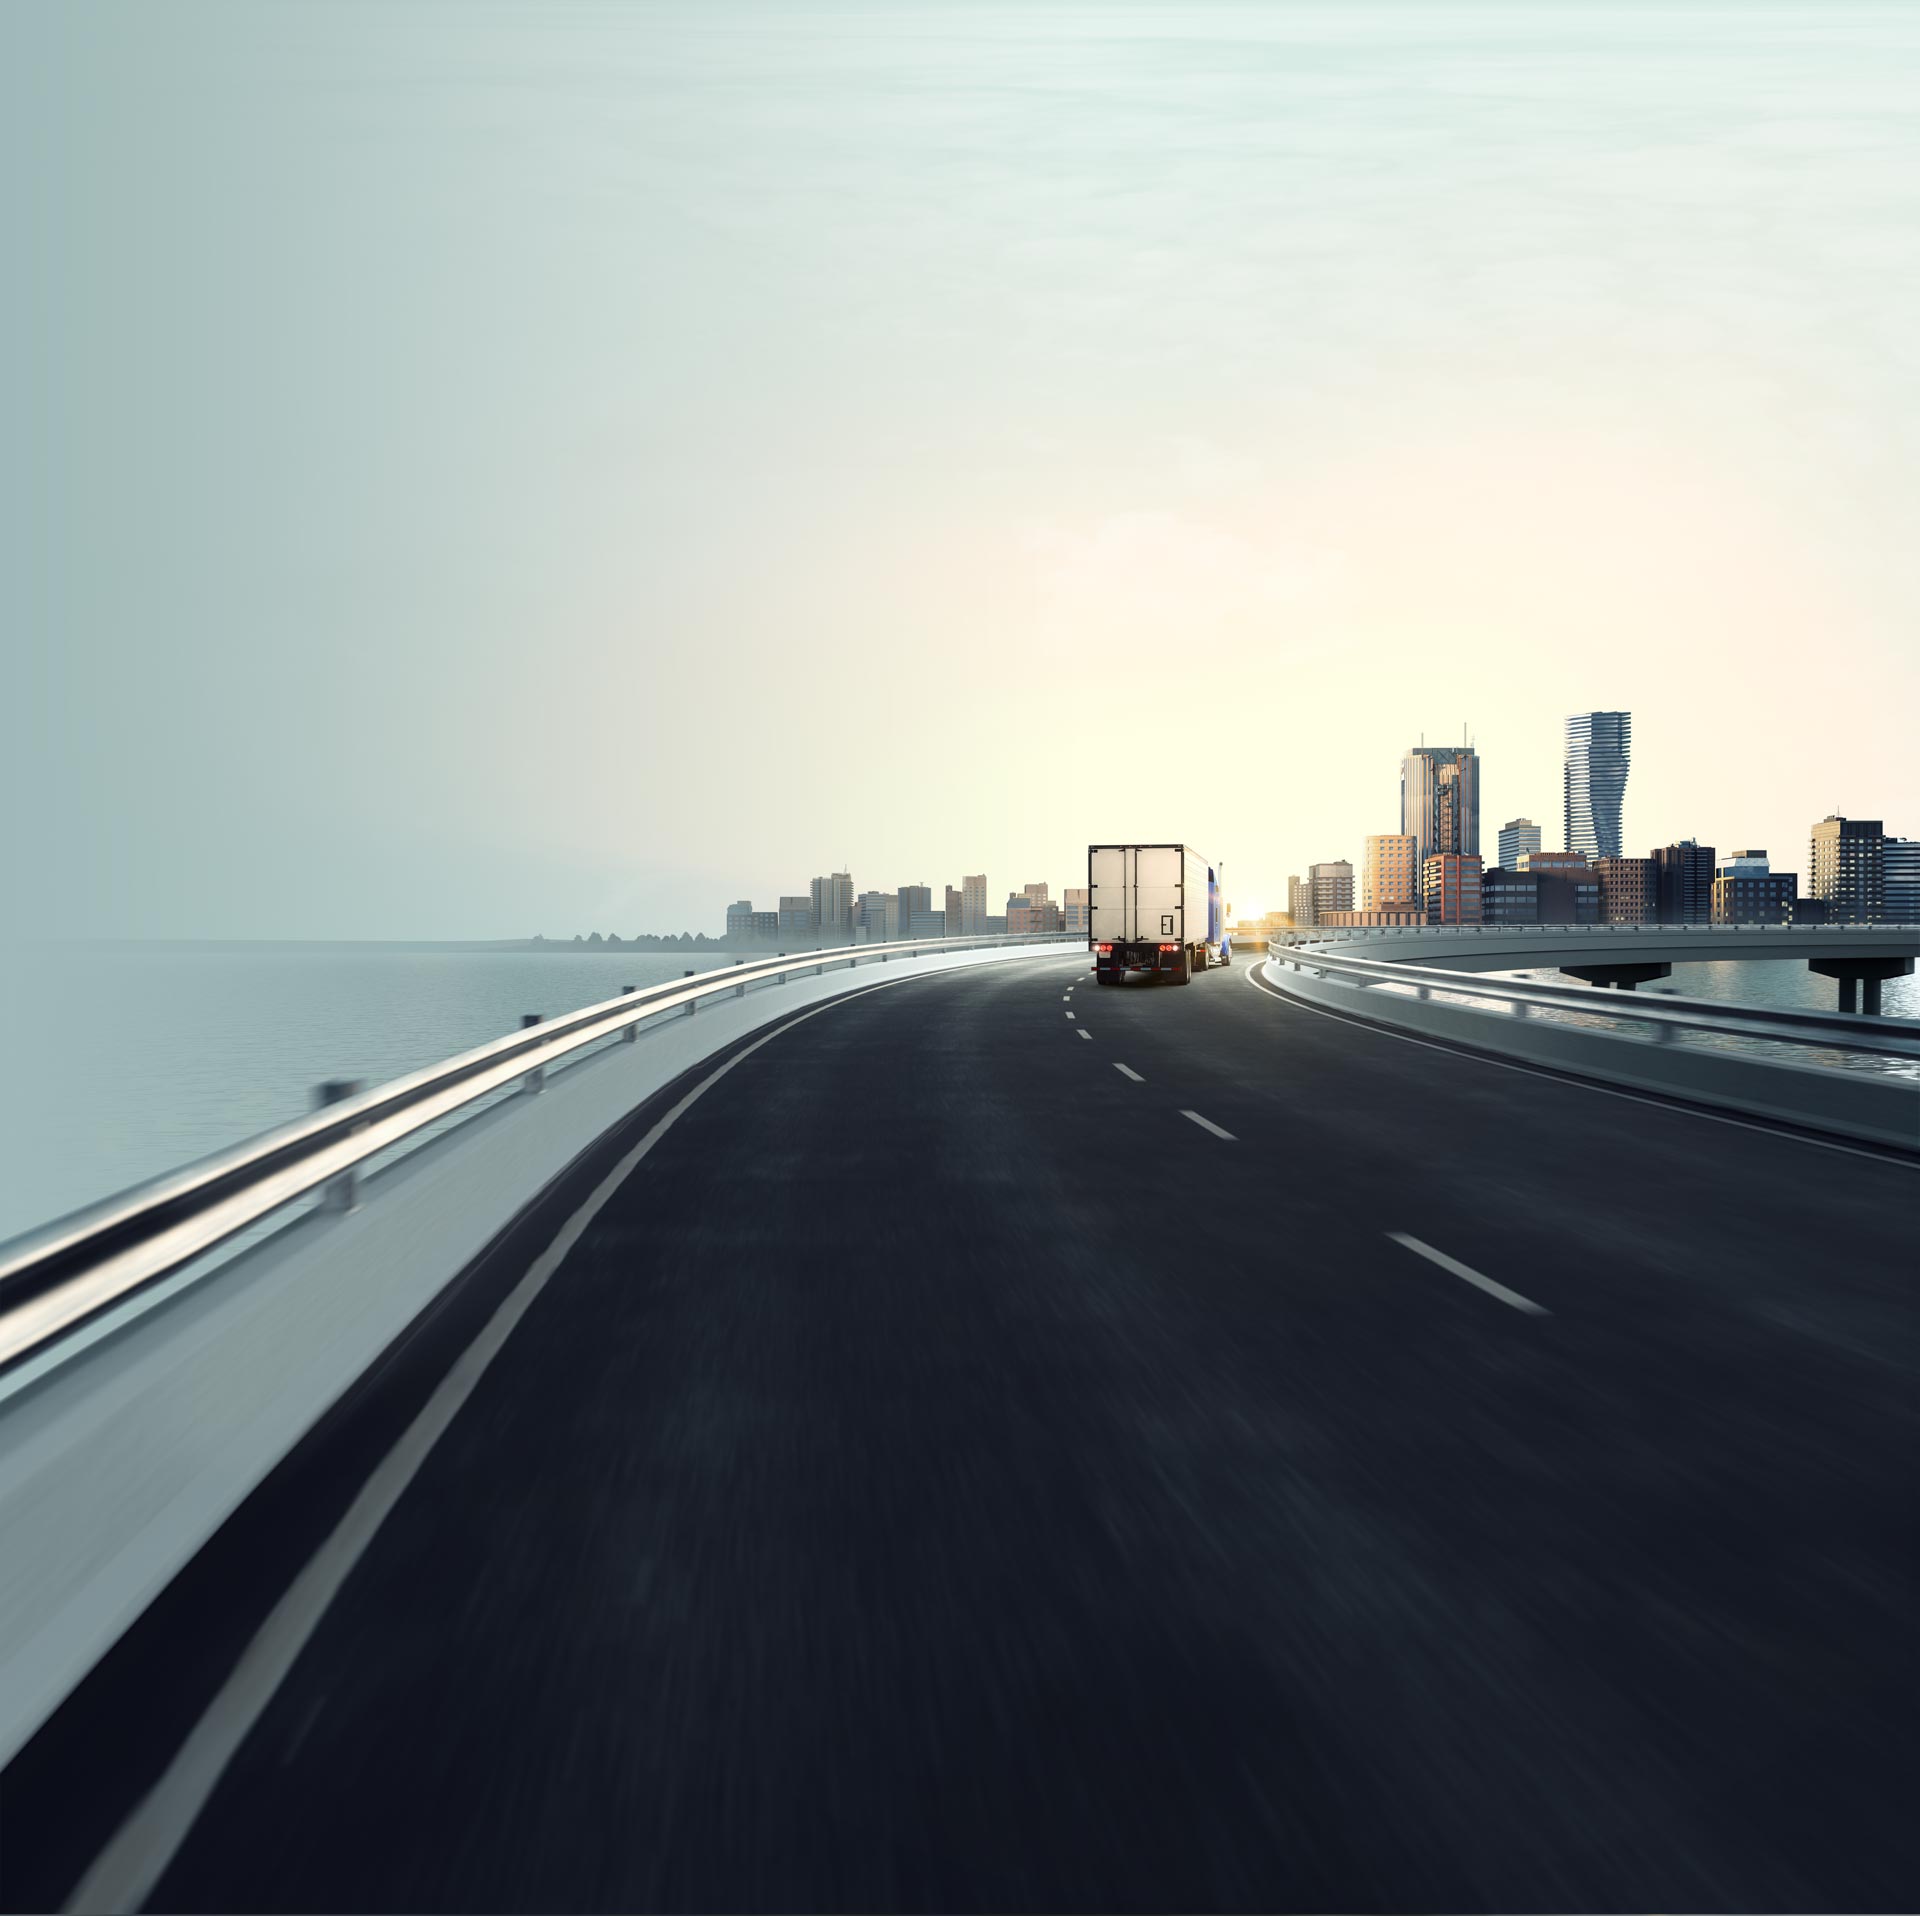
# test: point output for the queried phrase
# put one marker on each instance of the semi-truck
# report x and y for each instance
(1154, 909)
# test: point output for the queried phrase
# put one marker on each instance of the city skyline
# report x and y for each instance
(1344, 400)
(1431, 869)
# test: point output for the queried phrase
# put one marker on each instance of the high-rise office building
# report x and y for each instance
(1629, 890)
(833, 908)
(927, 924)
(973, 906)
(1332, 885)
(739, 922)
(796, 917)
(1683, 877)
(1599, 745)
(954, 913)
(870, 913)
(1440, 799)
(1747, 891)
(1037, 893)
(1300, 901)
(1517, 835)
(1900, 895)
(913, 900)
(1450, 888)
(1388, 873)
(1847, 869)
(1076, 916)
(1566, 891)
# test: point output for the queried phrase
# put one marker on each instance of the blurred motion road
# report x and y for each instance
(953, 1471)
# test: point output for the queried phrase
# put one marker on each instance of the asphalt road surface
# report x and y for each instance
(1001, 1450)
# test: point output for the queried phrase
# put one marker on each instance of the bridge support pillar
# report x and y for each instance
(1861, 976)
(1621, 977)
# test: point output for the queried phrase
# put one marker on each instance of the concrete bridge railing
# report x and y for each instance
(1857, 957)
(1671, 1045)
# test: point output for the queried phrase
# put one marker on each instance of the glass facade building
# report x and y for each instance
(1440, 800)
(1595, 780)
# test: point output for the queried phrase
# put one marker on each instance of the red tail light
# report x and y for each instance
(1169, 947)
(1105, 947)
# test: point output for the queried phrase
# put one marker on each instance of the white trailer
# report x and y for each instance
(1153, 909)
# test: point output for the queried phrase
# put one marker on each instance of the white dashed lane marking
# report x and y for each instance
(1127, 1071)
(1207, 1124)
(1470, 1275)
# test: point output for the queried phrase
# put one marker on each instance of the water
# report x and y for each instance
(126, 1061)
(1783, 983)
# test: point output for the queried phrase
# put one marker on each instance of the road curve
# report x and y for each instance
(1301, 1469)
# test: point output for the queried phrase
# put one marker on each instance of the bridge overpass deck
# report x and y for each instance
(952, 1469)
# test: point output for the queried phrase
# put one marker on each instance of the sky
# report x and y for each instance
(478, 470)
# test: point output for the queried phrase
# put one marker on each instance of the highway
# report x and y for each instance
(1010, 1444)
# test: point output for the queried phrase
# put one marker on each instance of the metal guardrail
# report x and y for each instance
(1368, 934)
(1667, 1017)
(55, 1278)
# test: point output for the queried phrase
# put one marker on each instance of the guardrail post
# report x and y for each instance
(341, 1193)
(739, 991)
(535, 1079)
(631, 1034)
(1521, 1008)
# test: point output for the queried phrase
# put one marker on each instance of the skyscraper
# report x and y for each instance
(1517, 835)
(1595, 780)
(1389, 875)
(1683, 875)
(1901, 860)
(833, 908)
(1332, 885)
(914, 901)
(973, 907)
(1847, 869)
(1450, 888)
(1300, 900)
(1440, 800)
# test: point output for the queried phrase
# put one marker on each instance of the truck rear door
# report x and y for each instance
(1158, 894)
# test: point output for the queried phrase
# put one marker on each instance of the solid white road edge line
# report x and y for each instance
(1471, 1276)
(1207, 1124)
(1127, 1071)
(124, 1874)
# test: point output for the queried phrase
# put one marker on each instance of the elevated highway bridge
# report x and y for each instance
(940, 1436)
